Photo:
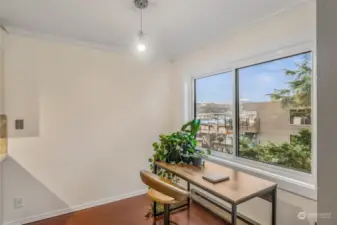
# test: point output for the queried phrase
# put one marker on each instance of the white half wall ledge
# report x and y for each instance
(77, 208)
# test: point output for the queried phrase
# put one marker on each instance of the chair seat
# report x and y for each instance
(161, 198)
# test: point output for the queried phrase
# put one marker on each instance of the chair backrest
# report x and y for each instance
(154, 181)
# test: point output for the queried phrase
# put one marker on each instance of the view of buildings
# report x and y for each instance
(259, 121)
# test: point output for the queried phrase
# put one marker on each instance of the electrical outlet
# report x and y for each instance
(19, 124)
(18, 203)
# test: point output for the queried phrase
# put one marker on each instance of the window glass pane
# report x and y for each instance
(214, 97)
(275, 112)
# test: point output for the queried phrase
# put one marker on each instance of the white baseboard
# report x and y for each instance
(59, 212)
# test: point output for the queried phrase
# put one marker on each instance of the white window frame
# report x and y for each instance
(298, 182)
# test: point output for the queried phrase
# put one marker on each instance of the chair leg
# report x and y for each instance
(166, 214)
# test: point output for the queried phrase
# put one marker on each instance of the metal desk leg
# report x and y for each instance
(234, 211)
(188, 189)
(274, 203)
(155, 168)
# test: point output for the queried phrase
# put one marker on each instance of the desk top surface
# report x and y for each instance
(239, 188)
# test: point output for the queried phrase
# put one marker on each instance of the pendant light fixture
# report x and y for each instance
(141, 4)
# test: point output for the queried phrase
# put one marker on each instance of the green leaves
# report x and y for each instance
(303, 138)
(192, 127)
(172, 146)
(155, 145)
(296, 155)
(298, 94)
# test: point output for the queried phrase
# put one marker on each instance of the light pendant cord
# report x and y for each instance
(141, 20)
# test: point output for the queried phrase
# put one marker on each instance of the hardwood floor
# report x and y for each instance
(131, 212)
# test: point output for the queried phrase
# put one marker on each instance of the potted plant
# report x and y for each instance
(174, 156)
(178, 146)
(198, 157)
(186, 158)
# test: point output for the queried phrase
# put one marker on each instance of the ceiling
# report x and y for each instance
(173, 27)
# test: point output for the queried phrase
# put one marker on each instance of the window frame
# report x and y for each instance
(302, 125)
(289, 179)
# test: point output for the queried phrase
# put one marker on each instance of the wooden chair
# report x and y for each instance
(163, 192)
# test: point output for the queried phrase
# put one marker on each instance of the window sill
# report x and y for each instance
(301, 125)
(292, 181)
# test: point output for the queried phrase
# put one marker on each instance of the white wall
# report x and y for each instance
(1, 112)
(288, 29)
(326, 117)
(91, 117)
(2, 45)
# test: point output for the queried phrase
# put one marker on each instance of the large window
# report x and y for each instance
(272, 103)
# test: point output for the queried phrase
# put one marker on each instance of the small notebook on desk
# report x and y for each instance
(215, 178)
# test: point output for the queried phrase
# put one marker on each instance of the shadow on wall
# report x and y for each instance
(19, 183)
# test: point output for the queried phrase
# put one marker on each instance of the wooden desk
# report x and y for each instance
(240, 188)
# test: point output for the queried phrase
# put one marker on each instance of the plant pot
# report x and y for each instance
(174, 157)
(186, 159)
(197, 161)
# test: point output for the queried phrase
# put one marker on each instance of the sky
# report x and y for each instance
(255, 82)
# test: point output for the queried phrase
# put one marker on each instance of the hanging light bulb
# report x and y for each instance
(141, 4)
(141, 47)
